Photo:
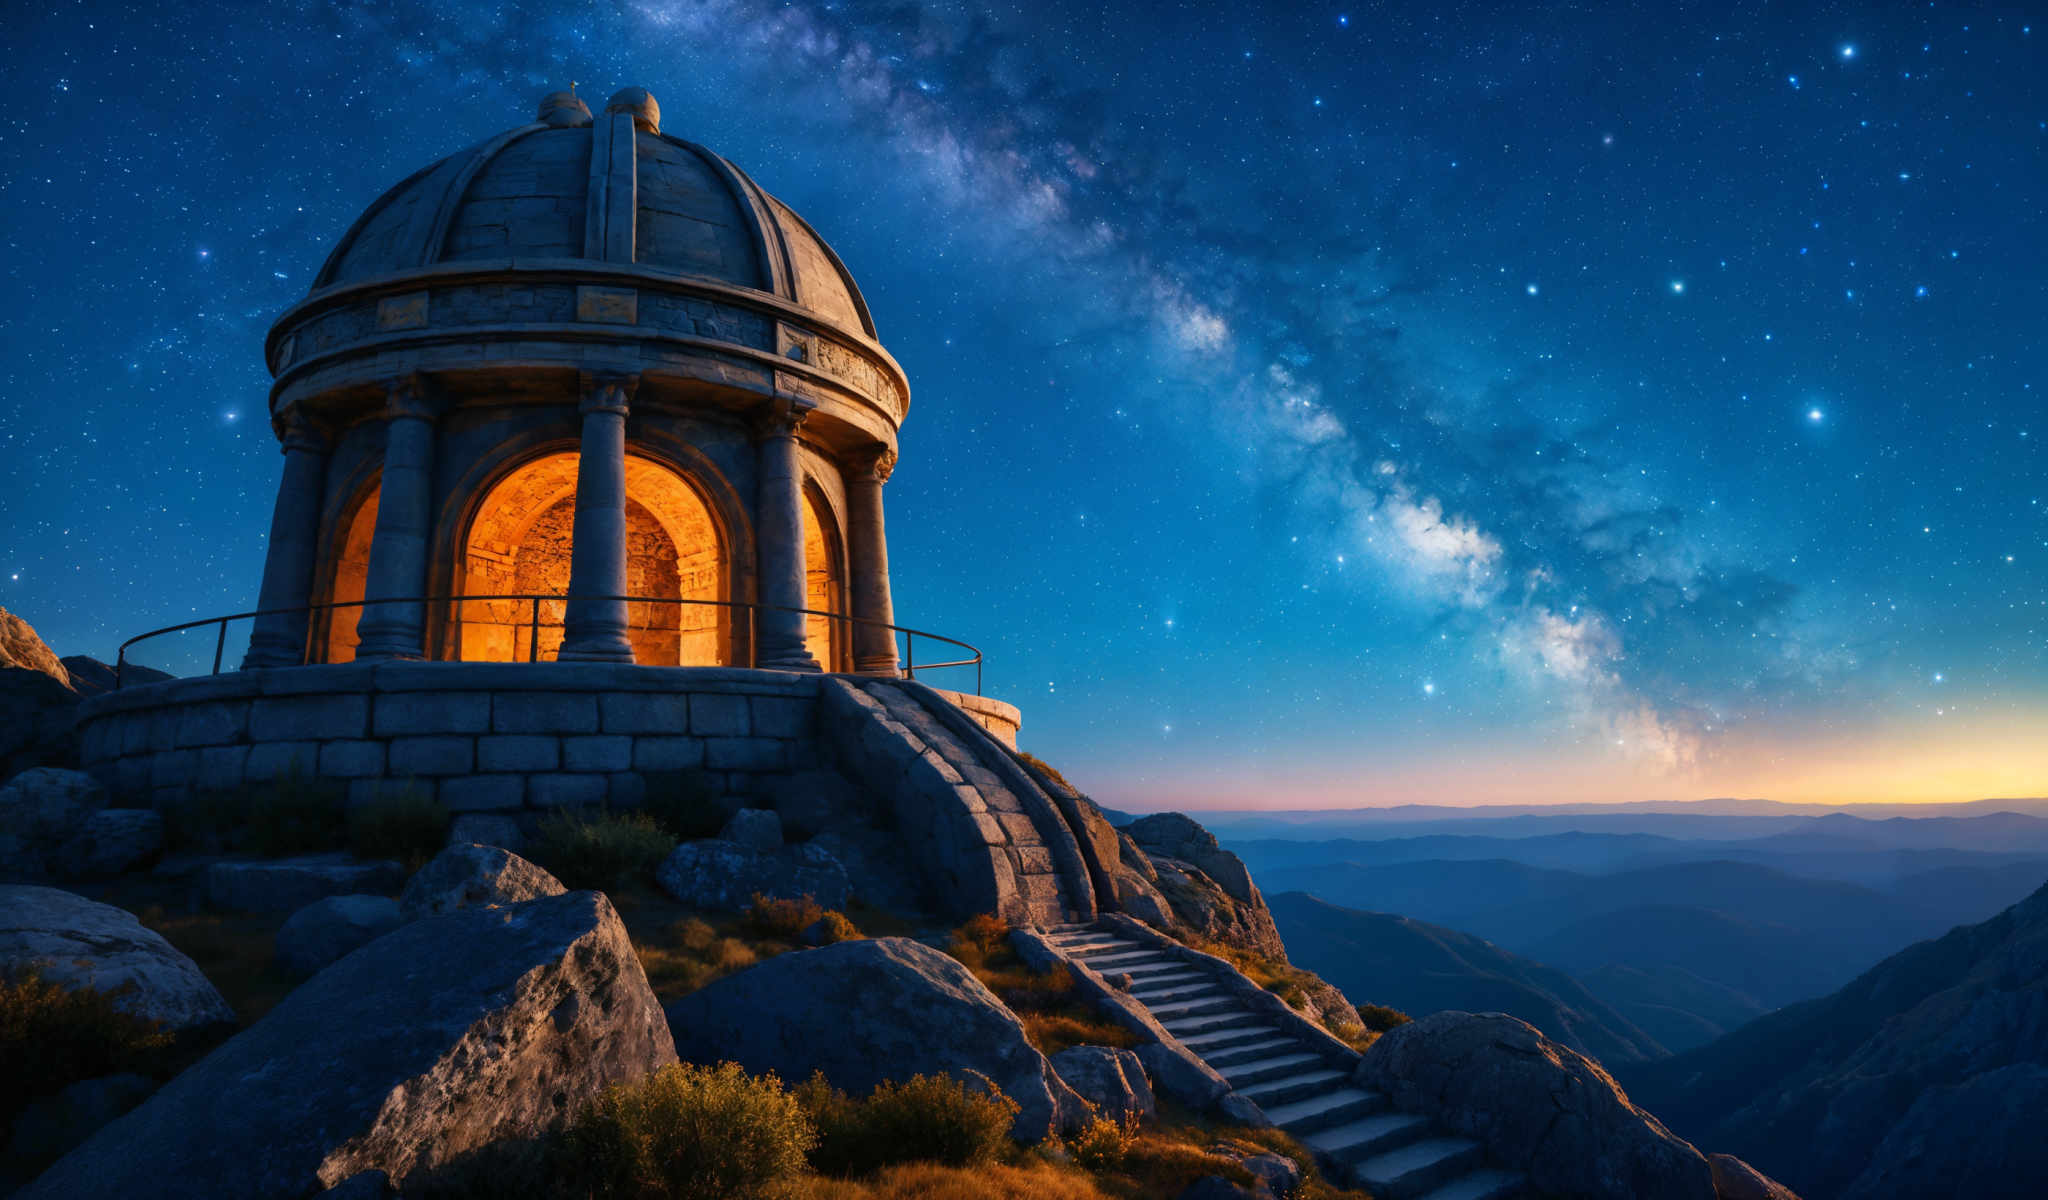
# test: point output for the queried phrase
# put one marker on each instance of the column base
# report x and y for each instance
(803, 663)
(888, 668)
(367, 654)
(595, 653)
(261, 656)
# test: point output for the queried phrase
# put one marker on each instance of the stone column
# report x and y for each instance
(279, 639)
(779, 543)
(398, 545)
(594, 627)
(874, 648)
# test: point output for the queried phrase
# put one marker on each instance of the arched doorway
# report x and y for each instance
(824, 583)
(518, 543)
(351, 572)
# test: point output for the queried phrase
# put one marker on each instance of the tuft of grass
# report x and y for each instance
(1379, 1018)
(52, 1036)
(686, 804)
(837, 927)
(785, 919)
(1103, 1144)
(410, 826)
(1032, 1180)
(296, 813)
(928, 1118)
(602, 850)
(690, 1132)
(1047, 769)
(1055, 1016)
(1054, 1032)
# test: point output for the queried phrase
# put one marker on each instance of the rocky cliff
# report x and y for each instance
(1906, 1082)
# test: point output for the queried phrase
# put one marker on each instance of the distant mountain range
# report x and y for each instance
(1419, 968)
(1924, 1076)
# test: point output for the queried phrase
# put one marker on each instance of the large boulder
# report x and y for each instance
(870, 1011)
(1112, 1080)
(21, 646)
(1206, 889)
(722, 876)
(754, 828)
(288, 884)
(51, 1125)
(811, 802)
(474, 876)
(326, 930)
(111, 841)
(41, 810)
(446, 1034)
(81, 943)
(38, 708)
(1536, 1106)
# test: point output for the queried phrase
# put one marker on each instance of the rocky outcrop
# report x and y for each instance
(326, 930)
(446, 1034)
(474, 876)
(1535, 1105)
(1737, 1180)
(1110, 1079)
(288, 884)
(1864, 1089)
(110, 842)
(51, 1125)
(721, 876)
(41, 810)
(869, 1011)
(1169, 860)
(754, 828)
(38, 708)
(81, 943)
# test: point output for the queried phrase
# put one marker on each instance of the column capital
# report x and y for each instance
(873, 462)
(297, 431)
(410, 396)
(782, 416)
(607, 393)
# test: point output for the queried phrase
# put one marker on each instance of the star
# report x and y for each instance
(1532, 289)
(1813, 414)
(1848, 51)
(1678, 287)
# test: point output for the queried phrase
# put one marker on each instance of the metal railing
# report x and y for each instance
(533, 625)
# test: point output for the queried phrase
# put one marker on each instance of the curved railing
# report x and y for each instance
(534, 625)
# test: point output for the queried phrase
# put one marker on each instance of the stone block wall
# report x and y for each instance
(482, 737)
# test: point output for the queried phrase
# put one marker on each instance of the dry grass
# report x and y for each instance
(682, 949)
(1055, 1016)
(1032, 1180)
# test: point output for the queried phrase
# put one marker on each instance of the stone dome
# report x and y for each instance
(526, 196)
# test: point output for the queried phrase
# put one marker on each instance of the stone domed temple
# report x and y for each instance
(590, 360)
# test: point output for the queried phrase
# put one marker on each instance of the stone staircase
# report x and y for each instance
(1301, 1088)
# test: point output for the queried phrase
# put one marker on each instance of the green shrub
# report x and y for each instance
(53, 1036)
(931, 1118)
(685, 804)
(837, 927)
(410, 826)
(1379, 1018)
(693, 1133)
(602, 850)
(1103, 1143)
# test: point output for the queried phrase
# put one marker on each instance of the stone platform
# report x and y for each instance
(480, 736)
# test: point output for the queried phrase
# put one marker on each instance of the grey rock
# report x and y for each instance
(474, 876)
(1737, 1180)
(81, 943)
(1174, 876)
(286, 884)
(326, 930)
(41, 810)
(441, 1036)
(1537, 1106)
(721, 876)
(1112, 1080)
(878, 867)
(487, 829)
(1176, 835)
(111, 841)
(1176, 1072)
(52, 1125)
(754, 828)
(869, 1011)
(1272, 1174)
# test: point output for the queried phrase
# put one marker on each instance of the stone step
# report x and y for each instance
(1260, 1070)
(1180, 1027)
(1243, 1052)
(1168, 981)
(1357, 1141)
(1419, 1167)
(1298, 1086)
(1170, 995)
(1132, 961)
(1487, 1183)
(1090, 947)
(1213, 1000)
(1203, 1043)
(1326, 1111)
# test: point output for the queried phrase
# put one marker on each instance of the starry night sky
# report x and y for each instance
(1312, 404)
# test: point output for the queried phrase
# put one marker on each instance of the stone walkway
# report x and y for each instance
(1396, 1156)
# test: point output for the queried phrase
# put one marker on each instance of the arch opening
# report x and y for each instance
(351, 574)
(824, 584)
(519, 543)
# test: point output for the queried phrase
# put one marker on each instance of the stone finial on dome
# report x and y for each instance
(563, 110)
(637, 102)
